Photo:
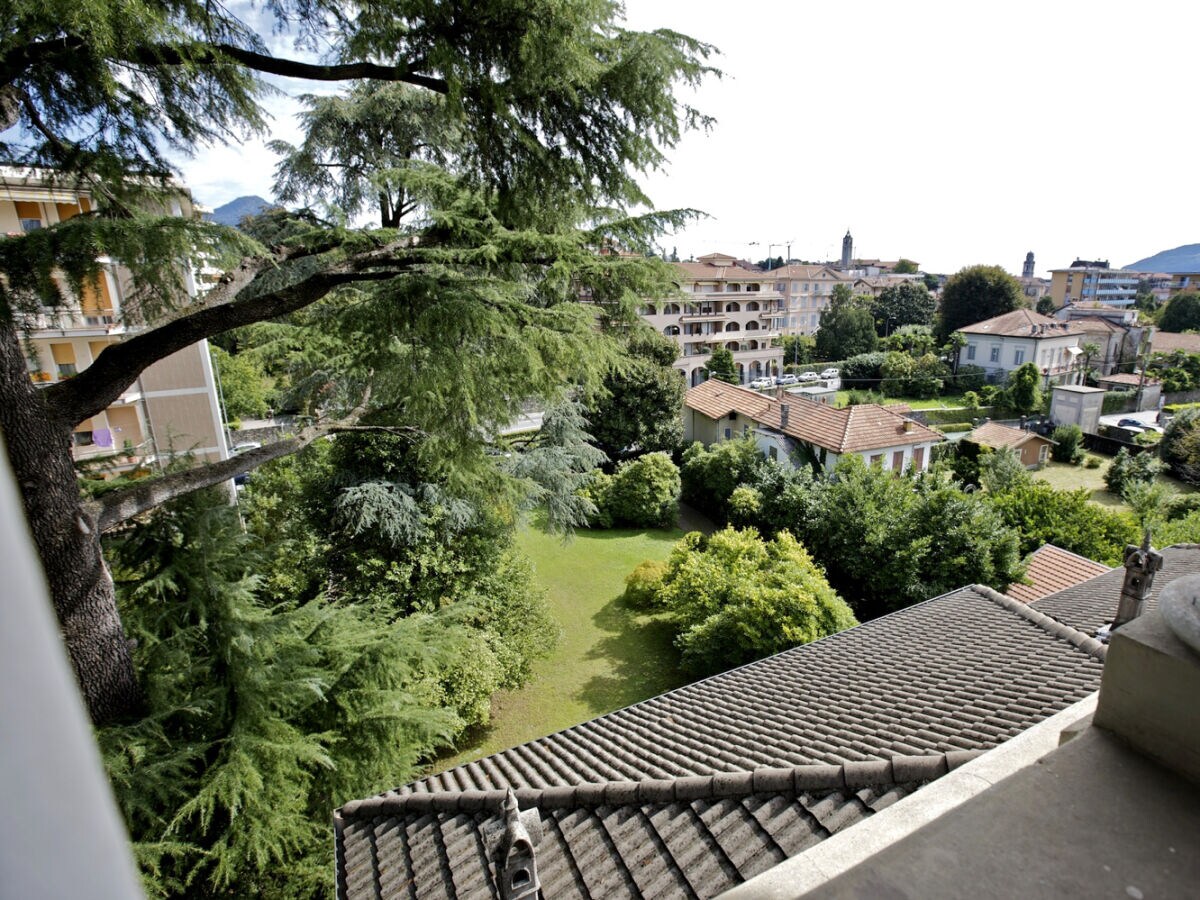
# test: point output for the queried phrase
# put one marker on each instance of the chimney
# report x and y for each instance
(1140, 565)
(908, 426)
(511, 845)
(784, 409)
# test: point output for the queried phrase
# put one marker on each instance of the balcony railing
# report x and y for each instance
(72, 320)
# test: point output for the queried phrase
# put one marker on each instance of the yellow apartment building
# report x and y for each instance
(173, 406)
(1092, 282)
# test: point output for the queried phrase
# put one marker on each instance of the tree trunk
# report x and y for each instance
(39, 449)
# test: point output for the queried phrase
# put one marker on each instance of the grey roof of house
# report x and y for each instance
(960, 673)
(1087, 606)
(684, 837)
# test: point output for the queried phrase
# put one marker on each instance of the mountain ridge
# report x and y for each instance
(1185, 258)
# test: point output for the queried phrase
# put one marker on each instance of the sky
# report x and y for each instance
(951, 133)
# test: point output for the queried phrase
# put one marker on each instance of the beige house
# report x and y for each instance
(807, 290)
(726, 305)
(1031, 448)
(1007, 342)
(803, 431)
(172, 407)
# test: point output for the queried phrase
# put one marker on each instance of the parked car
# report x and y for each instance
(830, 373)
(759, 383)
(788, 379)
(809, 376)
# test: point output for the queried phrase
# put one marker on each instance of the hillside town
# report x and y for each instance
(433, 528)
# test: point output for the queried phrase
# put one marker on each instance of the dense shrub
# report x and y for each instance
(1127, 470)
(645, 492)
(970, 378)
(863, 371)
(642, 584)
(1117, 401)
(1069, 444)
(709, 476)
(1067, 519)
(642, 493)
(907, 376)
(953, 427)
(1180, 447)
(735, 598)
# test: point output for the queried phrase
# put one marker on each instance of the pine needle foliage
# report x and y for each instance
(261, 718)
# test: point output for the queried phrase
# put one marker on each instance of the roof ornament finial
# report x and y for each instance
(1140, 565)
(511, 845)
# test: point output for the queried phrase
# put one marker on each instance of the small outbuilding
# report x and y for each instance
(1031, 448)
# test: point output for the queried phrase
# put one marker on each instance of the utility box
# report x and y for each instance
(1074, 404)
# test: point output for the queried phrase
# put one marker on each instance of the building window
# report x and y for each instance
(28, 225)
(66, 370)
(898, 461)
(1018, 357)
(995, 356)
(82, 438)
(728, 433)
(970, 351)
(919, 458)
(877, 459)
(772, 452)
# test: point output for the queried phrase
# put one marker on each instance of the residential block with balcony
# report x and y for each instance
(1092, 281)
(728, 305)
(173, 406)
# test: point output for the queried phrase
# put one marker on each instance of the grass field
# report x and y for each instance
(949, 401)
(1068, 478)
(607, 657)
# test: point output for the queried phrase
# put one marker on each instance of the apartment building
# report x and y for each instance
(806, 292)
(726, 304)
(173, 406)
(1092, 281)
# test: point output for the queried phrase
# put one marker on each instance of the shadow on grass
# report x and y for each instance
(640, 651)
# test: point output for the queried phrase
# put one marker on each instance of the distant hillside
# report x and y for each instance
(235, 210)
(1181, 259)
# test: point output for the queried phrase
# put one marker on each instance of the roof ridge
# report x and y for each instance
(1070, 553)
(851, 775)
(1050, 625)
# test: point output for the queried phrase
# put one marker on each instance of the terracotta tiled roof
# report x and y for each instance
(698, 271)
(851, 430)
(1125, 378)
(1093, 603)
(1023, 323)
(1170, 341)
(725, 776)
(995, 435)
(1097, 325)
(1052, 569)
(807, 271)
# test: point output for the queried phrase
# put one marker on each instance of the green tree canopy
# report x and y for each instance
(905, 267)
(1182, 313)
(640, 408)
(847, 328)
(443, 326)
(1067, 519)
(898, 305)
(735, 598)
(721, 365)
(1180, 448)
(974, 294)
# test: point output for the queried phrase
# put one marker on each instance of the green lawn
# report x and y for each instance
(607, 657)
(1067, 477)
(948, 401)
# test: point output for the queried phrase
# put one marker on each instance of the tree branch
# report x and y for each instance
(118, 366)
(113, 509)
(120, 506)
(18, 60)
